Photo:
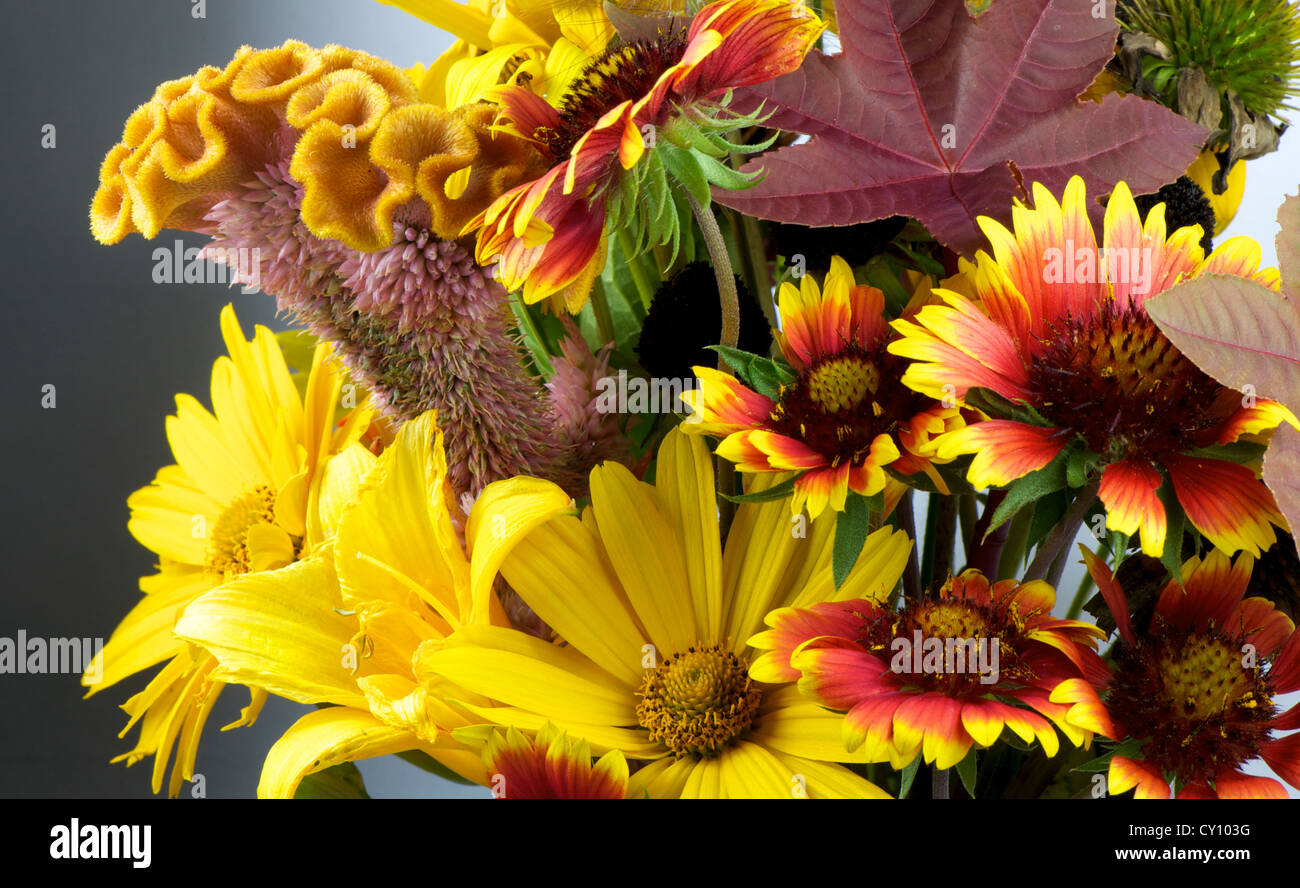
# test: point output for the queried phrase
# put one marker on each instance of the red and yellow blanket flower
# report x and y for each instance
(550, 766)
(1058, 328)
(839, 415)
(547, 235)
(1195, 689)
(653, 612)
(939, 675)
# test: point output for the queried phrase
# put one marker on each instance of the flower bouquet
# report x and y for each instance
(695, 400)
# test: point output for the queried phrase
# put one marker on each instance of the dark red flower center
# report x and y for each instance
(1119, 382)
(625, 72)
(842, 402)
(1201, 704)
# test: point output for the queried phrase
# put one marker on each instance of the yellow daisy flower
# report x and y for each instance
(655, 614)
(348, 627)
(235, 503)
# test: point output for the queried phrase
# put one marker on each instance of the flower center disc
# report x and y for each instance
(838, 406)
(626, 72)
(1117, 381)
(228, 545)
(1194, 700)
(698, 701)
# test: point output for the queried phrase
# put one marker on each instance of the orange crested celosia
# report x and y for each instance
(362, 146)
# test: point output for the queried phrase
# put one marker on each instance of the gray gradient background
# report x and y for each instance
(118, 347)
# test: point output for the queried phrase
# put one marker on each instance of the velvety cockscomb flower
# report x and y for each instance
(550, 766)
(1197, 686)
(941, 674)
(348, 627)
(653, 612)
(415, 320)
(548, 236)
(1060, 330)
(236, 503)
(841, 415)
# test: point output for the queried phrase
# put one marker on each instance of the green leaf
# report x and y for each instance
(1079, 466)
(966, 771)
(339, 782)
(1175, 521)
(426, 762)
(684, 167)
(882, 272)
(724, 176)
(908, 776)
(1126, 749)
(1047, 512)
(777, 491)
(999, 407)
(923, 263)
(1238, 452)
(763, 375)
(851, 528)
(1034, 486)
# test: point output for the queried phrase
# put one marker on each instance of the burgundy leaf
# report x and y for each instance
(931, 113)
(1239, 332)
(1288, 245)
(1282, 472)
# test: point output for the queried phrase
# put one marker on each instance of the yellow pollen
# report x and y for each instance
(228, 543)
(843, 383)
(698, 701)
(1208, 678)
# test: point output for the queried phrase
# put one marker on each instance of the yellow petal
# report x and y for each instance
(325, 738)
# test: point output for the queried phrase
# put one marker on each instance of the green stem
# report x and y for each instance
(645, 287)
(945, 536)
(912, 572)
(966, 510)
(600, 308)
(1064, 532)
(1013, 553)
(939, 783)
(927, 550)
(722, 270)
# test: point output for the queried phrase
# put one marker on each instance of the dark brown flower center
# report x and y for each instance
(1117, 381)
(1200, 703)
(840, 404)
(625, 72)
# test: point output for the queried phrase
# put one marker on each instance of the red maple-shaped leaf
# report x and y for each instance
(931, 113)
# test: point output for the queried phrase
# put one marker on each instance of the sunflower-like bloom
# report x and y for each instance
(358, 139)
(1196, 687)
(942, 675)
(844, 416)
(236, 503)
(350, 626)
(1060, 328)
(550, 766)
(654, 613)
(1203, 172)
(548, 235)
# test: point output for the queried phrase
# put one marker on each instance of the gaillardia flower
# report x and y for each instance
(550, 766)
(1059, 329)
(348, 627)
(654, 615)
(842, 417)
(548, 235)
(1196, 688)
(940, 675)
(236, 504)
